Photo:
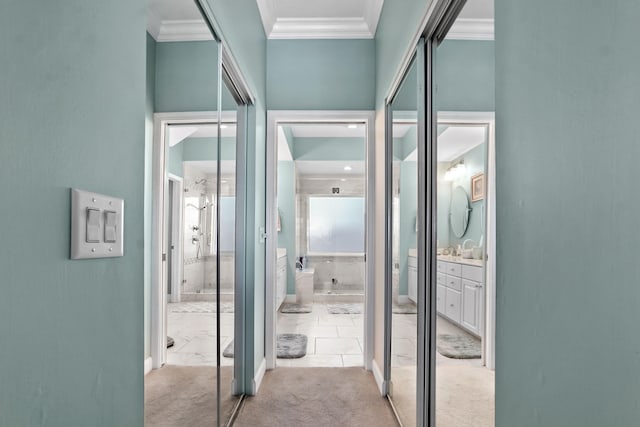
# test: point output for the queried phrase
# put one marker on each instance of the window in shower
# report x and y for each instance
(336, 225)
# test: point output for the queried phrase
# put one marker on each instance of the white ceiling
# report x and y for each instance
(178, 133)
(180, 20)
(457, 140)
(209, 167)
(333, 168)
(327, 130)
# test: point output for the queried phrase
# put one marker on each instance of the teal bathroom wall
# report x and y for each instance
(175, 158)
(321, 74)
(72, 115)
(198, 149)
(465, 75)
(287, 210)
(567, 146)
(474, 161)
(148, 191)
(242, 29)
(329, 149)
(408, 212)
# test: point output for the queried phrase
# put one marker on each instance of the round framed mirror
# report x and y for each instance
(459, 213)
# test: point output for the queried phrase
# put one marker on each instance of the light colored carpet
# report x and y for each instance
(324, 397)
(465, 396)
(186, 396)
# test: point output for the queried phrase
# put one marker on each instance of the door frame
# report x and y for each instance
(274, 117)
(159, 218)
(177, 232)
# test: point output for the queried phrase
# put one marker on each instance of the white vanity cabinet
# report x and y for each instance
(460, 293)
(281, 279)
(412, 279)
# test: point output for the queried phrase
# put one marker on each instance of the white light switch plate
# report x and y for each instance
(81, 201)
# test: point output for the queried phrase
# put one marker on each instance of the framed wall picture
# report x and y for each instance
(477, 187)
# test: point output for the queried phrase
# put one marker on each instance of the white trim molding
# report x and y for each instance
(183, 30)
(321, 28)
(472, 29)
(377, 374)
(359, 27)
(148, 364)
(257, 380)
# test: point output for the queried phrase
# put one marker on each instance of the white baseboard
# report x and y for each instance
(403, 299)
(377, 374)
(148, 363)
(291, 298)
(257, 380)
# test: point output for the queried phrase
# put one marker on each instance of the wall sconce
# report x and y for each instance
(456, 171)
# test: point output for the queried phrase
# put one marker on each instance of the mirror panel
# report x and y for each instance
(459, 212)
(404, 317)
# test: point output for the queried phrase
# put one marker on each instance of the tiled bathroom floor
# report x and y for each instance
(334, 340)
(192, 325)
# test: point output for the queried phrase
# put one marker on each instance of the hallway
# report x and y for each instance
(328, 397)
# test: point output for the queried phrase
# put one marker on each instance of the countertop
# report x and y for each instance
(460, 260)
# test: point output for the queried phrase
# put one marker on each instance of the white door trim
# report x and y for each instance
(489, 322)
(159, 239)
(282, 116)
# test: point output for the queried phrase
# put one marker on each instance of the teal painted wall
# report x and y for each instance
(465, 76)
(72, 114)
(148, 187)
(242, 29)
(321, 74)
(186, 77)
(398, 23)
(287, 209)
(567, 146)
(175, 157)
(408, 212)
(329, 149)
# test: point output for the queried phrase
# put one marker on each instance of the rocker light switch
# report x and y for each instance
(93, 225)
(110, 227)
(97, 225)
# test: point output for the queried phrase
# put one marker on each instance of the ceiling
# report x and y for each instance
(332, 168)
(457, 140)
(178, 133)
(327, 130)
(180, 20)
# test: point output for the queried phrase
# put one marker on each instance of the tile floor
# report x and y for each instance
(334, 340)
(192, 325)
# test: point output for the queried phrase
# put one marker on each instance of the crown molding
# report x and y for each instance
(153, 23)
(372, 14)
(183, 31)
(268, 14)
(472, 29)
(321, 28)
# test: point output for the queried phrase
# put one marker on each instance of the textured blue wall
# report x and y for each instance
(567, 104)
(321, 74)
(72, 114)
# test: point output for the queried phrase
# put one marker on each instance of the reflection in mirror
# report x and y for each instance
(404, 316)
(464, 385)
(459, 212)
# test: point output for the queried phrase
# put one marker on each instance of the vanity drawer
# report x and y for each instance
(454, 269)
(473, 273)
(454, 282)
(452, 305)
(442, 266)
(442, 279)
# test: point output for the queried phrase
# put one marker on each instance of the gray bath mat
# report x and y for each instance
(344, 308)
(288, 308)
(405, 309)
(459, 346)
(289, 346)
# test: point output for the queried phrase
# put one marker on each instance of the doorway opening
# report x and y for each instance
(318, 210)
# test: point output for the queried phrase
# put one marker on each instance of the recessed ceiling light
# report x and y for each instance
(223, 181)
(343, 179)
(347, 168)
(223, 126)
(353, 126)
